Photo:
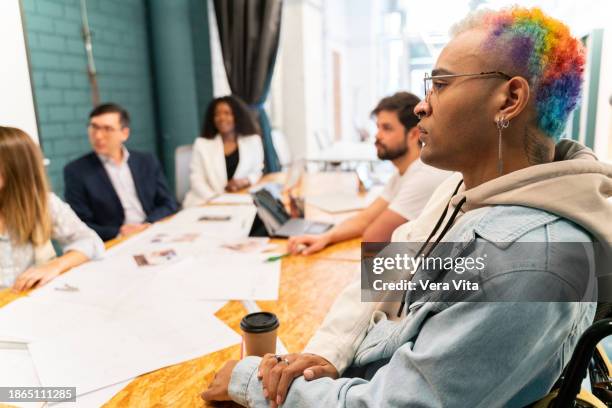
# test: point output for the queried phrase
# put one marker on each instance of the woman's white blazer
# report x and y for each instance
(208, 174)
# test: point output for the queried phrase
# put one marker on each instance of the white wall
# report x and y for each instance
(297, 89)
(302, 91)
(335, 41)
(603, 127)
(363, 65)
(315, 102)
(16, 101)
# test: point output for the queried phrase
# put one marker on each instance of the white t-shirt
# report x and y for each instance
(408, 193)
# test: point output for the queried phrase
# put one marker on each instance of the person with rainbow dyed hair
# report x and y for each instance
(496, 106)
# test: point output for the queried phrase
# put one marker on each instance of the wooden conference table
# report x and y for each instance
(308, 287)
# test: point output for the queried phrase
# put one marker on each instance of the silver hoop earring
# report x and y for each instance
(502, 123)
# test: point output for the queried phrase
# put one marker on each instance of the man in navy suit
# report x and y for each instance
(114, 191)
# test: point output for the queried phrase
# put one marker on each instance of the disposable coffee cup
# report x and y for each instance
(259, 333)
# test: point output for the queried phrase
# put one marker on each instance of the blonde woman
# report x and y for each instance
(31, 215)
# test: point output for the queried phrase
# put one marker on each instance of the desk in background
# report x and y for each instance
(345, 152)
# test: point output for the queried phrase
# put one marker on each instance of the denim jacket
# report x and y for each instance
(463, 354)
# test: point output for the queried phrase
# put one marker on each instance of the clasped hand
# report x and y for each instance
(276, 374)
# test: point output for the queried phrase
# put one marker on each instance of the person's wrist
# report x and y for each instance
(320, 357)
(56, 266)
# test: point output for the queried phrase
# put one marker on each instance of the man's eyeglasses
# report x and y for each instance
(104, 129)
(428, 80)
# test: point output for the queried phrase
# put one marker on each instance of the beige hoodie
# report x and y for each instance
(575, 186)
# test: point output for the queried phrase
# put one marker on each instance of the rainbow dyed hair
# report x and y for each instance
(542, 50)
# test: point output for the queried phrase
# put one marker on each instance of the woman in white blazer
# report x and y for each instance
(228, 155)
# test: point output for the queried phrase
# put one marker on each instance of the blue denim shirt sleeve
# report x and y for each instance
(490, 354)
(244, 387)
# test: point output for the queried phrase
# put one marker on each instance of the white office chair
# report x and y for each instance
(182, 161)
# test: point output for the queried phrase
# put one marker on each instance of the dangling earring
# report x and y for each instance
(502, 123)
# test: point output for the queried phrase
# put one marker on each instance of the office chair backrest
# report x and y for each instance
(182, 161)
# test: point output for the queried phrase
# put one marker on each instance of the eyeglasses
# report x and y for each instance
(428, 80)
(104, 129)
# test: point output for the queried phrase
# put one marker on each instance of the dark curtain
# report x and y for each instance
(249, 32)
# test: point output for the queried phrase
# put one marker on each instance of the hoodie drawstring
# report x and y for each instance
(446, 228)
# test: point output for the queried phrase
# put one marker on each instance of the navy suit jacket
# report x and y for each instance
(91, 195)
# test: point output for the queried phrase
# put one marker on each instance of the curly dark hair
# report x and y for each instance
(244, 119)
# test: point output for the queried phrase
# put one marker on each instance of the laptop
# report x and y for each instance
(277, 221)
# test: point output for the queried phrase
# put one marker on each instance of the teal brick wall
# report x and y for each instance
(59, 71)
(201, 56)
(179, 31)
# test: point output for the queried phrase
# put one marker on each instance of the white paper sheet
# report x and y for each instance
(29, 319)
(18, 371)
(246, 245)
(100, 283)
(188, 222)
(138, 342)
(236, 199)
(239, 224)
(22, 372)
(122, 321)
(162, 235)
(223, 274)
(95, 398)
(151, 296)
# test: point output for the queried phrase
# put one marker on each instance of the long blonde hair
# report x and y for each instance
(24, 195)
